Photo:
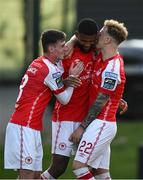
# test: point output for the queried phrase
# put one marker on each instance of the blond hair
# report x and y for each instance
(116, 30)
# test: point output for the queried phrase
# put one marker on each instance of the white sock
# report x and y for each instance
(46, 175)
(103, 176)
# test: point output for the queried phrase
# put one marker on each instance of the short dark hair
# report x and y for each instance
(51, 36)
(87, 26)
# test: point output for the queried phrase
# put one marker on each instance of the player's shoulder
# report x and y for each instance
(37, 62)
(114, 64)
(38, 66)
(115, 60)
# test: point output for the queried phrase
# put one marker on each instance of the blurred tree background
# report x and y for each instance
(21, 23)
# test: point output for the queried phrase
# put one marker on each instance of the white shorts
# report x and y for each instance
(23, 148)
(94, 147)
(61, 132)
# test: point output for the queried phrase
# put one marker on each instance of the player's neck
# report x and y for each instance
(51, 58)
(108, 53)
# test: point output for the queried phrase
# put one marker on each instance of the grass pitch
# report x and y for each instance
(124, 159)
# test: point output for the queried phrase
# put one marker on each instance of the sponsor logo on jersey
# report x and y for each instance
(109, 83)
(56, 75)
(111, 75)
(88, 67)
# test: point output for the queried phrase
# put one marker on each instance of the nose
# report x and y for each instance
(88, 44)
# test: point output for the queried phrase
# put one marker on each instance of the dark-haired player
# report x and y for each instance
(23, 147)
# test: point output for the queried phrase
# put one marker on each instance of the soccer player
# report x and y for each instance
(23, 146)
(108, 80)
(66, 118)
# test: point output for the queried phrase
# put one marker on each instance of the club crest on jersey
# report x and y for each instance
(32, 70)
(56, 75)
(62, 146)
(76, 61)
(59, 82)
(28, 160)
(98, 72)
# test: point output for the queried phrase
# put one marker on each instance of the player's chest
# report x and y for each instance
(98, 69)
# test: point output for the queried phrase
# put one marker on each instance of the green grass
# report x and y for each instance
(124, 159)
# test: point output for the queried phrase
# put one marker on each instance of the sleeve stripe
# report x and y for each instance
(58, 91)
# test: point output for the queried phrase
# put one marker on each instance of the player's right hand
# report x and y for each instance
(123, 105)
(75, 137)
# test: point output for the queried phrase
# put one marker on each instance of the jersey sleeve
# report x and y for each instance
(110, 77)
(54, 81)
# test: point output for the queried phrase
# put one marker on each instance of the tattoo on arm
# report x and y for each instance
(95, 109)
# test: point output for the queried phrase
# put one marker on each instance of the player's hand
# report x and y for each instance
(76, 69)
(69, 47)
(123, 106)
(76, 135)
(72, 81)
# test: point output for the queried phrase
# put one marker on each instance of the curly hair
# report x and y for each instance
(116, 30)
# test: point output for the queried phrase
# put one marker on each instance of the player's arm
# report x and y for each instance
(57, 87)
(73, 80)
(65, 96)
(109, 83)
(94, 111)
(70, 46)
(55, 83)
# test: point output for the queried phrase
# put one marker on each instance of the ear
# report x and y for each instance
(50, 48)
(108, 40)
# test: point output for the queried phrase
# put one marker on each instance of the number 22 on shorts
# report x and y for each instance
(85, 147)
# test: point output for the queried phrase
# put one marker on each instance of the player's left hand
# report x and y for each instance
(76, 69)
(123, 105)
(76, 135)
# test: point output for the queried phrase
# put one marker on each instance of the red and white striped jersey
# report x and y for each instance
(77, 108)
(108, 78)
(40, 81)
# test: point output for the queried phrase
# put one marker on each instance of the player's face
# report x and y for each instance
(59, 49)
(86, 42)
(103, 38)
